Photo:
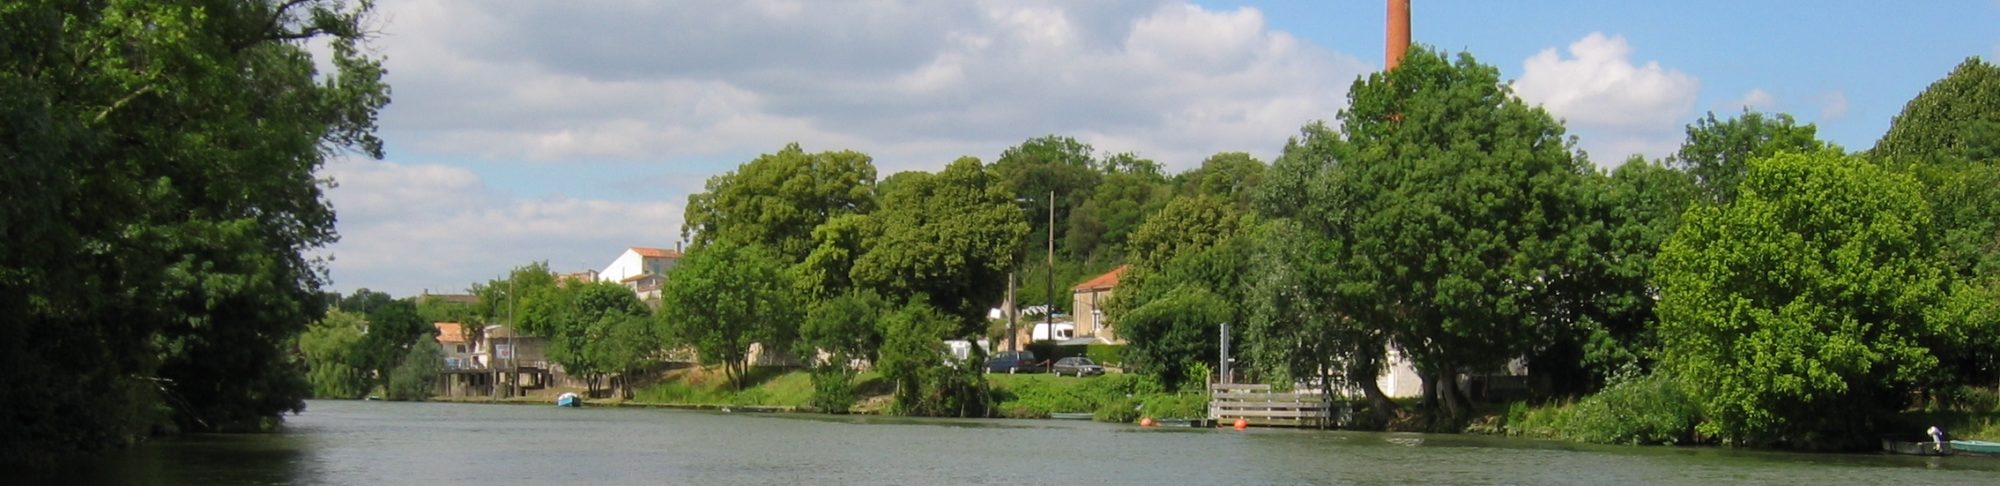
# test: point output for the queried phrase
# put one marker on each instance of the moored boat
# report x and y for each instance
(1916, 447)
(569, 400)
(1975, 447)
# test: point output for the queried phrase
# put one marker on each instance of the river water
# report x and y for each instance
(348, 442)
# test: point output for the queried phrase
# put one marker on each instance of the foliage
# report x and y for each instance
(833, 388)
(1953, 118)
(1798, 311)
(1293, 333)
(913, 342)
(1186, 225)
(1642, 409)
(1168, 333)
(158, 200)
(332, 349)
(1109, 355)
(416, 376)
(776, 200)
(595, 330)
(1717, 153)
(847, 326)
(1234, 177)
(1099, 228)
(1450, 199)
(392, 327)
(949, 237)
(1029, 173)
(723, 297)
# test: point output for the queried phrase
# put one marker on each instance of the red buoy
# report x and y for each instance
(1146, 422)
(1242, 424)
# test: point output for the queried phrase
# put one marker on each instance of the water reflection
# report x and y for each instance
(405, 443)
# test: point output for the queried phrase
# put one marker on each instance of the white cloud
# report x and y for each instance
(406, 228)
(925, 80)
(1832, 105)
(1615, 106)
(1755, 100)
(680, 89)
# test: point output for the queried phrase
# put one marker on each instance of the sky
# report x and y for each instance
(565, 132)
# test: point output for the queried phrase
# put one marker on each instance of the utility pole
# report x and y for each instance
(1225, 356)
(1013, 315)
(1049, 316)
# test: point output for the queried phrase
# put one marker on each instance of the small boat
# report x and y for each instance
(1917, 447)
(1975, 447)
(569, 400)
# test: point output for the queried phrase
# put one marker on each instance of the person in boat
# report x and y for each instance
(1937, 438)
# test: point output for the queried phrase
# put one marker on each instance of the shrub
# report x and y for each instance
(1105, 354)
(833, 389)
(418, 373)
(1651, 409)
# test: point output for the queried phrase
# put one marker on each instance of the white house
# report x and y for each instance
(637, 263)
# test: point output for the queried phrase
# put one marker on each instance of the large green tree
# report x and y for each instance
(949, 237)
(776, 200)
(1798, 311)
(1718, 152)
(1954, 117)
(158, 199)
(332, 350)
(1453, 202)
(1230, 176)
(723, 297)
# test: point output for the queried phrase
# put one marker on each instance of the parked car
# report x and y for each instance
(1014, 362)
(1076, 366)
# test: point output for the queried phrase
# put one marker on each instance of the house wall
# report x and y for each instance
(1399, 379)
(627, 265)
(1087, 304)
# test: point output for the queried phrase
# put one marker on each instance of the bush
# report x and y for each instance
(415, 377)
(1180, 405)
(1650, 409)
(1109, 355)
(833, 389)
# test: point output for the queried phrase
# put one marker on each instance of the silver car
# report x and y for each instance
(1076, 366)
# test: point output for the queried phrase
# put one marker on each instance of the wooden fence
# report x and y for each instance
(1259, 406)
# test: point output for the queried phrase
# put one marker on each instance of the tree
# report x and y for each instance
(949, 237)
(847, 325)
(776, 200)
(416, 375)
(1797, 312)
(723, 297)
(392, 327)
(583, 327)
(1186, 225)
(1717, 153)
(1098, 229)
(913, 360)
(158, 199)
(332, 349)
(1038, 167)
(1229, 176)
(1295, 332)
(1453, 200)
(1954, 117)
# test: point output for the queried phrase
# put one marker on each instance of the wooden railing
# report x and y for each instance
(1258, 405)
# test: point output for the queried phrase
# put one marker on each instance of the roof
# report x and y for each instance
(1102, 282)
(639, 277)
(655, 252)
(450, 332)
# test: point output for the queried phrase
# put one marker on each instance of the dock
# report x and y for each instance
(1257, 405)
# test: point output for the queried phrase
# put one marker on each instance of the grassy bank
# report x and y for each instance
(1111, 398)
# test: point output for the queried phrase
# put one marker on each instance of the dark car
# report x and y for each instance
(1014, 362)
(1076, 366)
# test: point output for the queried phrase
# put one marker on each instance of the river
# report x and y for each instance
(349, 442)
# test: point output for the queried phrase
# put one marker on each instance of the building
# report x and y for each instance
(456, 342)
(1089, 299)
(641, 269)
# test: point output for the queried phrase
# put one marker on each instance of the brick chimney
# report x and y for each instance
(1399, 33)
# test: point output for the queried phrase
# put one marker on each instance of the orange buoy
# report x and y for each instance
(1146, 422)
(1242, 424)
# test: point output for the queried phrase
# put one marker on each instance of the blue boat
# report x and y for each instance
(569, 400)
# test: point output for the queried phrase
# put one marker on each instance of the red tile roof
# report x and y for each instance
(1102, 282)
(450, 332)
(656, 252)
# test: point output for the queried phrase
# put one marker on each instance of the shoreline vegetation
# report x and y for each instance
(1758, 288)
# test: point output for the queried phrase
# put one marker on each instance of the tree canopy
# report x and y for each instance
(723, 297)
(1798, 310)
(158, 200)
(776, 200)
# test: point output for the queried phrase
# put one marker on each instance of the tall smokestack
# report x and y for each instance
(1399, 33)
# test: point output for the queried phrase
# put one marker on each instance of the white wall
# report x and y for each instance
(627, 265)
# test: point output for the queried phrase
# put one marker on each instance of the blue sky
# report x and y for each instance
(524, 130)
